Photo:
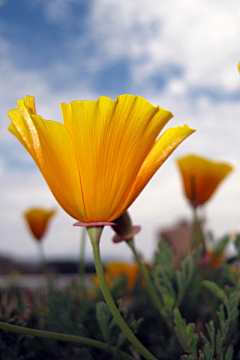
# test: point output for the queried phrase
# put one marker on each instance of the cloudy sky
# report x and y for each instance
(179, 54)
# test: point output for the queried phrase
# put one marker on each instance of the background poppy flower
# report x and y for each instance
(201, 177)
(38, 221)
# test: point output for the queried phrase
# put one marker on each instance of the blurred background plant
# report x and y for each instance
(199, 299)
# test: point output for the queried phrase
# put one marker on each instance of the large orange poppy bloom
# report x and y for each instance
(104, 154)
(201, 177)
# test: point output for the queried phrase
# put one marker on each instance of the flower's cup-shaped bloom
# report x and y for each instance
(38, 221)
(201, 177)
(104, 154)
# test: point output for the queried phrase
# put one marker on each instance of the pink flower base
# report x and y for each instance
(136, 230)
(101, 223)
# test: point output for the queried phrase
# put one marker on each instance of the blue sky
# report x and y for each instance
(179, 54)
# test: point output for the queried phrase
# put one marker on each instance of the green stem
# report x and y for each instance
(65, 337)
(197, 237)
(94, 235)
(152, 291)
(44, 262)
(81, 265)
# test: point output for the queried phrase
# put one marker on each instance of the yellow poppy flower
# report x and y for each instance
(98, 162)
(38, 221)
(201, 177)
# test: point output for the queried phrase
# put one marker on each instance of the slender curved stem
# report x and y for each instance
(197, 236)
(81, 265)
(65, 337)
(152, 291)
(94, 235)
(44, 262)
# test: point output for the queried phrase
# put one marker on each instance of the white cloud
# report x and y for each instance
(199, 36)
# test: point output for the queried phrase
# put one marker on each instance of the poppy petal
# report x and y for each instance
(161, 150)
(60, 168)
(111, 139)
(49, 143)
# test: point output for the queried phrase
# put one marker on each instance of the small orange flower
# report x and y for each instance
(212, 259)
(201, 177)
(118, 268)
(215, 259)
(108, 279)
(38, 220)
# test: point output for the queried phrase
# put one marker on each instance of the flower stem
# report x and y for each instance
(94, 235)
(81, 265)
(44, 263)
(152, 291)
(197, 237)
(65, 337)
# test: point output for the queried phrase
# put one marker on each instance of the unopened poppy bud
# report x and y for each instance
(124, 228)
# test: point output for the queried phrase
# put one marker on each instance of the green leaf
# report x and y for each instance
(134, 325)
(180, 327)
(229, 274)
(204, 338)
(168, 300)
(234, 298)
(208, 352)
(104, 318)
(164, 257)
(185, 274)
(215, 289)
(211, 331)
(219, 342)
(121, 340)
(237, 243)
(221, 356)
(187, 338)
(219, 249)
(229, 353)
